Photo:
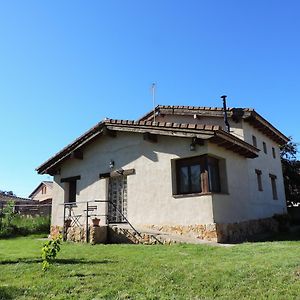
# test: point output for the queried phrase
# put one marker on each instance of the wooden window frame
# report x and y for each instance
(206, 186)
(259, 180)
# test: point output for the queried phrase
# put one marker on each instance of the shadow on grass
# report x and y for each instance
(10, 292)
(292, 235)
(59, 261)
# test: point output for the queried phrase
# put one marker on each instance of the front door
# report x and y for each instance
(117, 197)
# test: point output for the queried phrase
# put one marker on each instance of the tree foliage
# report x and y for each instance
(7, 193)
(291, 172)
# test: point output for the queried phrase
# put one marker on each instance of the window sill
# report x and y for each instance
(176, 196)
(191, 195)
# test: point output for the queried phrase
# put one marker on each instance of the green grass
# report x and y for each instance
(268, 270)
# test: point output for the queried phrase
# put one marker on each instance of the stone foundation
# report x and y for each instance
(202, 231)
(118, 235)
(55, 231)
(229, 232)
(97, 234)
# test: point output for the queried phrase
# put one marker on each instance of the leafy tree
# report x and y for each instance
(291, 172)
(7, 193)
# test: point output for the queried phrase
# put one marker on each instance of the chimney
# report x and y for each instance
(225, 113)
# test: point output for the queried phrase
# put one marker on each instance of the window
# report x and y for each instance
(259, 181)
(273, 152)
(70, 188)
(273, 184)
(44, 190)
(265, 148)
(254, 141)
(197, 175)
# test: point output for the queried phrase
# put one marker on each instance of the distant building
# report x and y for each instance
(43, 192)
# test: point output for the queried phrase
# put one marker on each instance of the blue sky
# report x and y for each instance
(65, 65)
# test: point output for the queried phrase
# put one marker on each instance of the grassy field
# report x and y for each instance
(268, 270)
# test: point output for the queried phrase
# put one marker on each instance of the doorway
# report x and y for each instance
(117, 197)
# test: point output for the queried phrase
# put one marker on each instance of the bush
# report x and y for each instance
(22, 225)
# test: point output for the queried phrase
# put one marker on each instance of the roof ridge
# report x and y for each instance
(163, 124)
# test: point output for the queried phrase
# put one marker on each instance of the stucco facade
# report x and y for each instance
(152, 198)
(42, 192)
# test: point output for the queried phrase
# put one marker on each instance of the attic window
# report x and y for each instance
(265, 148)
(259, 180)
(197, 175)
(274, 187)
(44, 189)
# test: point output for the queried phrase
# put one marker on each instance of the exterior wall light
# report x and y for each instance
(111, 164)
(192, 146)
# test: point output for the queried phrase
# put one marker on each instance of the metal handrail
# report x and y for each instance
(87, 214)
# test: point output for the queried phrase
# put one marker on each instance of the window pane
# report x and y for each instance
(195, 178)
(184, 180)
(213, 174)
(72, 191)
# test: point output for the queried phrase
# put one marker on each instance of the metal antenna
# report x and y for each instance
(153, 88)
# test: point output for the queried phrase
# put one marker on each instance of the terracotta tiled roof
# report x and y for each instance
(248, 114)
(212, 132)
(162, 124)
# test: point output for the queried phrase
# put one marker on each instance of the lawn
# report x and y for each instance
(269, 270)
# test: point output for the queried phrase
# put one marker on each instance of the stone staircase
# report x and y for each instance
(123, 233)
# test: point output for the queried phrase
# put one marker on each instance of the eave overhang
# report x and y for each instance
(203, 132)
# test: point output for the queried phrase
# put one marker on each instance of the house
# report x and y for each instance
(24, 206)
(177, 169)
(43, 192)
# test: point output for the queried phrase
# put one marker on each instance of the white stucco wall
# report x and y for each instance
(150, 199)
(39, 196)
(244, 201)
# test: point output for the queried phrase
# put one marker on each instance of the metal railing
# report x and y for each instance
(69, 206)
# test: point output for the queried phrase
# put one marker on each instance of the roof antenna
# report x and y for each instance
(225, 113)
(153, 88)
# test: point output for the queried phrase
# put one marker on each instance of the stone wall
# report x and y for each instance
(118, 235)
(202, 231)
(97, 234)
(229, 232)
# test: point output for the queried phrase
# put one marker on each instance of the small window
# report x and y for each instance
(274, 187)
(197, 175)
(44, 190)
(259, 181)
(254, 141)
(265, 148)
(70, 188)
(273, 152)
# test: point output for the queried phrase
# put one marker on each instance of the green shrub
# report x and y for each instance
(22, 226)
(49, 251)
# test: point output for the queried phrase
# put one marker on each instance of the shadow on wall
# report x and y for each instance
(124, 155)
